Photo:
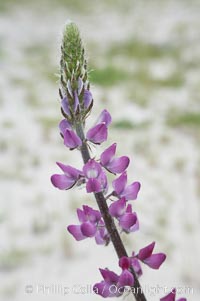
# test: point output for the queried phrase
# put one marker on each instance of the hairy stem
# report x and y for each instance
(109, 222)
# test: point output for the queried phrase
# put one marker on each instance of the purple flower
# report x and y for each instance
(128, 220)
(105, 117)
(69, 109)
(118, 208)
(87, 99)
(96, 178)
(130, 192)
(125, 279)
(114, 285)
(114, 165)
(107, 287)
(98, 133)
(102, 237)
(91, 225)
(172, 297)
(88, 214)
(136, 266)
(65, 106)
(71, 139)
(124, 262)
(63, 125)
(68, 179)
(154, 261)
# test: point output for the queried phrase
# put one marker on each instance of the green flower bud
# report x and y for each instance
(74, 91)
(73, 66)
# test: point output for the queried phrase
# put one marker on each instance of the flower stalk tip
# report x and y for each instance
(73, 63)
(76, 99)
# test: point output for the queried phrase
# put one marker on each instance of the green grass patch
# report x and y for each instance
(125, 124)
(174, 80)
(48, 122)
(73, 5)
(189, 119)
(2, 52)
(162, 221)
(40, 226)
(13, 258)
(8, 124)
(108, 76)
(142, 76)
(9, 291)
(142, 50)
(38, 58)
(5, 5)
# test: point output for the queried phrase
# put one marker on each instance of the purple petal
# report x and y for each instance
(93, 185)
(81, 215)
(108, 154)
(182, 299)
(129, 208)
(155, 260)
(101, 237)
(87, 98)
(103, 181)
(131, 191)
(98, 133)
(92, 215)
(75, 230)
(136, 226)
(103, 231)
(118, 165)
(124, 262)
(88, 229)
(71, 140)
(136, 266)
(146, 251)
(117, 208)
(70, 171)
(103, 289)
(109, 276)
(92, 169)
(126, 279)
(62, 182)
(170, 297)
(127, 220)
(120, 183)
(63, 125)
(65, 105)
(104, 117)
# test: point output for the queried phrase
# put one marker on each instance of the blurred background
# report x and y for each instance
(144, 58)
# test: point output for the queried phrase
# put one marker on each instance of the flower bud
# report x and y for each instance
(74, 76)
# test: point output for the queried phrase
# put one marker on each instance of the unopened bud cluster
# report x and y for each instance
(74, 85)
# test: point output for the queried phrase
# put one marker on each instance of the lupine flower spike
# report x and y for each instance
(114, 214)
